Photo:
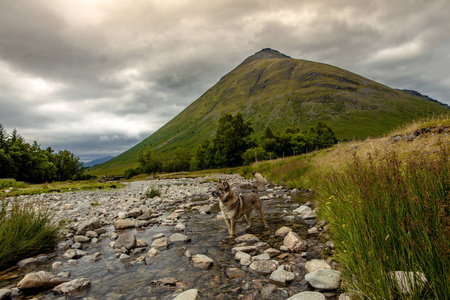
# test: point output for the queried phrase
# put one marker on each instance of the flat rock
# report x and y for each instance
(261, 256)
(73, 286)
(81, 239)
(324, 279)
(89, 225)
(124, 224)
(307, 296)
(179, 238)
(126, 240)
(27, 262)
(246, 249)
(263, 267)
(302, 210)
(235, 273)
(293, 242)
(316, 264)
(202, 261)
(309, 215)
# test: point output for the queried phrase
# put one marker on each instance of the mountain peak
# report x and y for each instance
(265, 53)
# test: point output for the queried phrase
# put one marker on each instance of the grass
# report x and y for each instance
(391, 213)
(8, 183)
(24, 232)
(56, 187)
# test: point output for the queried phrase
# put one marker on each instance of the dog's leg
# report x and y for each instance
(248, 218)
(261, 213)
(233, 227)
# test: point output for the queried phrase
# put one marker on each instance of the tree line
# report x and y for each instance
(29, 163)
(232, 146)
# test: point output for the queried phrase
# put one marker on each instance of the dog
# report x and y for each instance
(260, 180)
(234, 207)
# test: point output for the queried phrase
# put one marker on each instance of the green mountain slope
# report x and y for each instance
(272, 89)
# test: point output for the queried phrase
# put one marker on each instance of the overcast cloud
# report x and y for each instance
(98, 76)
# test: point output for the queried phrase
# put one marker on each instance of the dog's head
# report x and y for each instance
(222, 190)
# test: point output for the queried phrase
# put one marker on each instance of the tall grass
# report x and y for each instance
(24, 232)
(6, 183)
(391, 212)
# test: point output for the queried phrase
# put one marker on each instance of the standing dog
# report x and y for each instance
(233, 207)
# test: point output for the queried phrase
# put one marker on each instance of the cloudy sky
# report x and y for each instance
(98, 76)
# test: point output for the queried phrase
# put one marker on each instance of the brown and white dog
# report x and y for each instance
(234, 207)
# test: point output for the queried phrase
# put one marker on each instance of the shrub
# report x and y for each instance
(152, 192)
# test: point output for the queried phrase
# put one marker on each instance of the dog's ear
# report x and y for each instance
(227, 185)
(220, 180)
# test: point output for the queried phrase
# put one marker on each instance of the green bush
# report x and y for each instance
(24, 232)
(153, 192)
(7, 183)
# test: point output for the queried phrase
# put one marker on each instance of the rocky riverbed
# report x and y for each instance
(120, 244)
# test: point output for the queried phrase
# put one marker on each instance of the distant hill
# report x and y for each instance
(97, 161)
(271, 89)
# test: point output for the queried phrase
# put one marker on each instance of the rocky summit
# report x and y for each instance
(179, 249)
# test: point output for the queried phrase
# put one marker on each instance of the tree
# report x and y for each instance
(149, 162)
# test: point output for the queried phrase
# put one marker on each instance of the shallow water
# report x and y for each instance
(112, 279)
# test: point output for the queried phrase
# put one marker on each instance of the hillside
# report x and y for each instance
(272, 89)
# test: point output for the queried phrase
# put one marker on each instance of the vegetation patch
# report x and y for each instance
(24, 231)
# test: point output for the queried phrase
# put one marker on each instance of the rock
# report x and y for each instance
(27, 262)
(81, 239)
(344, 297)
(73, 253)
(39, 280)
(293, 242)
(179, 227)
(157, 236)
(313, 230)
(309, 215)
(272, 252)
(235, 273)
(134, 213)
(191, 294)
(179, 238)
(89, 225)
(124, 258)
(72, 262)
(124, 224)
(56, 265)
(244, 258)
(5, 293)
(152, 252)
(261, 256)
(408, 281)
(202, 261)
(76, 246)
(73, 286)
(302, 210)
(91, 234)
(281, 276)
(246, 249)
(141, 244)
(247, 238)
(263, 267)
(205, 209)
(161, 243)
(97, 256)
(283, 231)
(316, 264)
(324, 279)
(307, 296)
(126, 240)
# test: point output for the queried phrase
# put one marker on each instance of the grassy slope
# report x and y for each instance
(282, 92)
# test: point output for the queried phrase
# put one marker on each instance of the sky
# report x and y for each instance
(96, 77)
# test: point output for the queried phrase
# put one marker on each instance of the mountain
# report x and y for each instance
(97, 161)
(271, 89)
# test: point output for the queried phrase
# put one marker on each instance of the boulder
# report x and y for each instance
(202, 261)
(324, 279)
(5, 293)
(293, 242)
(73, 286)
(89, 225)
(126, 240)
